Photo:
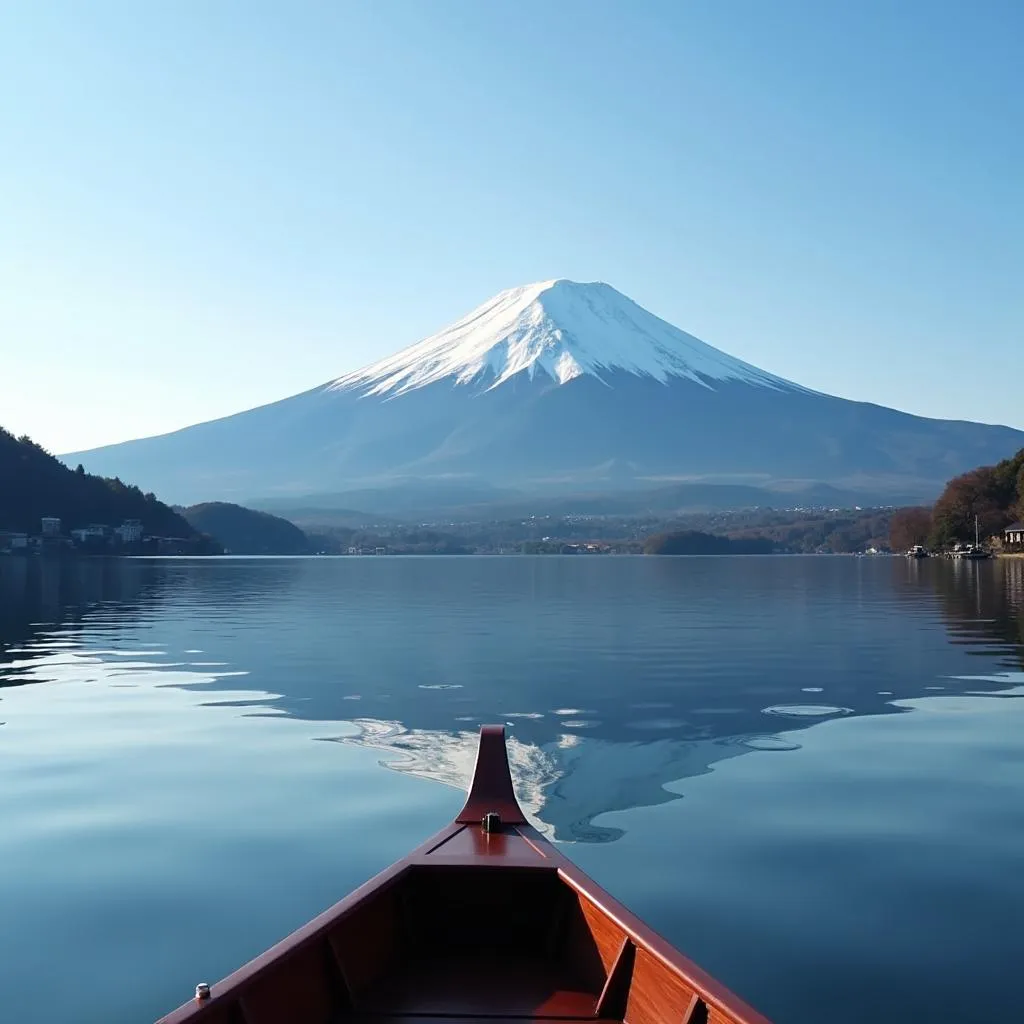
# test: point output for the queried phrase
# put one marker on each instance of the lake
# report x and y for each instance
(807, 773)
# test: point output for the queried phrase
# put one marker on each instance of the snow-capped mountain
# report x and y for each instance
(560, 329)
(561, 386)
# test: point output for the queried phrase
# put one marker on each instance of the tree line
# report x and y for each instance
(993, 494)
(694, 542)
(34, 483)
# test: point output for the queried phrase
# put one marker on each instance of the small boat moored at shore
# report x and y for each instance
(485, 923)
(973, 552)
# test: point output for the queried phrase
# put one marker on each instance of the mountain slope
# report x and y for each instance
(556, 385)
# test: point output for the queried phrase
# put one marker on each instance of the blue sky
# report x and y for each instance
(209, 205)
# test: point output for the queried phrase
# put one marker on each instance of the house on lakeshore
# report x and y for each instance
(11, 540)
(1013, 535)
(171, 545)
(130, 531)
(94, 533)
(50, 526)
(100, 534)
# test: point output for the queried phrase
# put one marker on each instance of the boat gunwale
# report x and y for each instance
(492, 769)
(643, 936)
(313, 930)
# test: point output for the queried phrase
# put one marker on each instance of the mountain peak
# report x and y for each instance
(564, 329)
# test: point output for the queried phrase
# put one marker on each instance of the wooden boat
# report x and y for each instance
(485, 922)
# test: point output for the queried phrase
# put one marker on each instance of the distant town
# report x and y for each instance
(96, 539)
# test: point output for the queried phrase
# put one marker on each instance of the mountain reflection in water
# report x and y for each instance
(615, 677)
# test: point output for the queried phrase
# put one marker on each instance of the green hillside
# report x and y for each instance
(33, 484)
(243, 531)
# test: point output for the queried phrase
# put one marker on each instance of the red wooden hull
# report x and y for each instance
(473, 926)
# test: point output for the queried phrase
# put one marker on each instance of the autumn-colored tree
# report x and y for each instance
(1007, 477)
(983, 493)
(909, 526)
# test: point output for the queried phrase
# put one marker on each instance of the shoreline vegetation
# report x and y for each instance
(987, 499)
(752, 531)
(47, 508)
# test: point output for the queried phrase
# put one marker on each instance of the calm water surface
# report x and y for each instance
(808, 773)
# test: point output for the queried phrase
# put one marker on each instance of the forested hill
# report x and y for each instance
(244, 531)
(694, 542)
(33, 484)
(992, 496)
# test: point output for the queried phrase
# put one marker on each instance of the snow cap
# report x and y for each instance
(560, 328)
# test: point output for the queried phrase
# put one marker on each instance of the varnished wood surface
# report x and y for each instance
(485, 984)
(473, 926)
(731, 1009)
(472, 845)
(607, 935)
(491, 788)
(479, 1019)
(656, 995)
(365, 944)
(614, 997)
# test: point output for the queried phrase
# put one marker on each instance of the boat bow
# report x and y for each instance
(485, 922)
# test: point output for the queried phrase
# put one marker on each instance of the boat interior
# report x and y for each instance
(465, 943)
(485, 922)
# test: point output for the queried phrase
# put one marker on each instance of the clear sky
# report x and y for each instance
(207, 204)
